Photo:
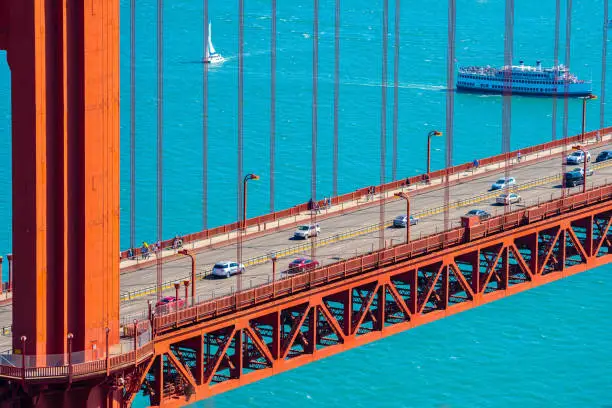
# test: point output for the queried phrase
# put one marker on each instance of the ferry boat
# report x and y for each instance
(212, 57)
(522, 79)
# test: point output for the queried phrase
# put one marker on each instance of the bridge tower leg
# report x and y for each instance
(64, 60)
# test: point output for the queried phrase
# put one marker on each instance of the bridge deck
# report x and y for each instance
(536, 183)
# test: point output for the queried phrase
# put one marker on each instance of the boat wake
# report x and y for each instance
(420, 87)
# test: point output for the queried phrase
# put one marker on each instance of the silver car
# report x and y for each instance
(577, 157)
(581, 171)
(507, 199)
(225, 269)
(307, 231)
(503, 183)
(401, 220)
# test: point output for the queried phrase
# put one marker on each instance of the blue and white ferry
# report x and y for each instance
(522, 79)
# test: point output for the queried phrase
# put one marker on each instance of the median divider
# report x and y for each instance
(130, 295)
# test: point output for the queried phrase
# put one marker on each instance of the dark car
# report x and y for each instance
(603, 156)
(302, 265)
(482, 214)
(573, 178)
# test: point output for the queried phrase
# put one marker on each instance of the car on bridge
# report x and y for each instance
(577, 157)
(573, 178)
(401, 221)
(507, 199)
(581, 171)
(503, 183)
(307, 231)
(482, 214)
(603, 156)
(225, 269)
(168, 303)
(302, 265)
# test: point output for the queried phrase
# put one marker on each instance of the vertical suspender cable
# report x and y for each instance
(336, 94)
(160, 123)
(240, 147)
(205, 122)
(568, 37)
(383, 119)
(556, 64)
(507, 90)
(272, 104)
(604, 53)
(450, 102)
(315, 76)
(396, 87)
(132, 124)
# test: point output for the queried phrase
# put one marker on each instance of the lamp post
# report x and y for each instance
(177, 286)
(429, 136)
(70, 336)
(107, 357)
(248, 177)
(23, 354)
(584, 102)
(193, 275)
(186, 283)
(407, 198)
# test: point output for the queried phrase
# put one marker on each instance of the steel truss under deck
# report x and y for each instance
(207, 358)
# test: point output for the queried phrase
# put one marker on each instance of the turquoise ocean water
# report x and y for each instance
(547, 347)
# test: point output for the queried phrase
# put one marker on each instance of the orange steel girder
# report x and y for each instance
(64, 60)
(205, 359)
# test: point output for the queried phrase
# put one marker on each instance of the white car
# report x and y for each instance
(503, 183)
(581, 171)
(307, 231)
(225, 269)
(577, 157)
(507, 199)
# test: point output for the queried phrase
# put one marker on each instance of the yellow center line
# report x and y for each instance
(361, 231)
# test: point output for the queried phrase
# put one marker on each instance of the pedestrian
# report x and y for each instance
(475, 163)
(518, 157)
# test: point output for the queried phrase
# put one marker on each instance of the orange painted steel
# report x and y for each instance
(64, 60)
(224, 344)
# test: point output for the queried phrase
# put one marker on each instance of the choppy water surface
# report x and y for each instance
(548, 347)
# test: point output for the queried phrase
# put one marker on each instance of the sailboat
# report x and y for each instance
(211, 56)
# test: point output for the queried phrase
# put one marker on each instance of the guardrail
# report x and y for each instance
(82, 363)
(362, 192)
(377, 259)
(130, 295)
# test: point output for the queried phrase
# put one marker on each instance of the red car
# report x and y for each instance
(168, 303)
(302, 265)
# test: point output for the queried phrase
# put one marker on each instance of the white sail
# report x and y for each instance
(211, 49)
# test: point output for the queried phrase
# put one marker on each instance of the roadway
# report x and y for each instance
(262, 273)
(346, 248)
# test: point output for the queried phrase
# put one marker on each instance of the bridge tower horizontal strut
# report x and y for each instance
(64, 61)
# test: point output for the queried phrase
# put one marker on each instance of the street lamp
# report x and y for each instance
(193, 275)
(584, 101)
(186, 283)
(248, 177)
(429, 136)
(70, 336)
(407, 198)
